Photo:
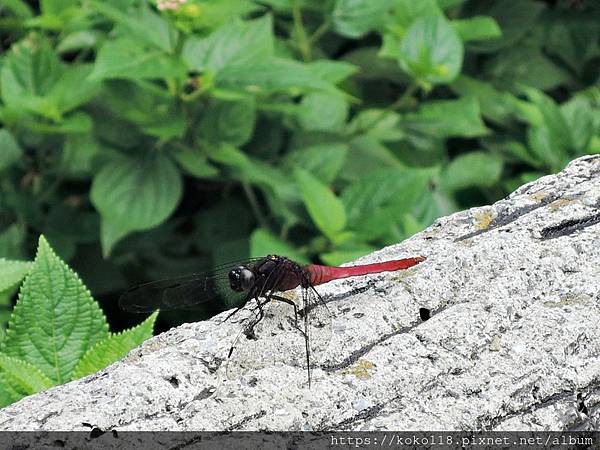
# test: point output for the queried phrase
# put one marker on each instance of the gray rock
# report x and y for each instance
(513, 342)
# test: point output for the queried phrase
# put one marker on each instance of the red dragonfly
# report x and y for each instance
(260, 280)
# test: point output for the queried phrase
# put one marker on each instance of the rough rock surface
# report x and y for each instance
(513, 342)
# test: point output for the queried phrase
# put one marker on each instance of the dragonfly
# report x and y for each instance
(261, 281)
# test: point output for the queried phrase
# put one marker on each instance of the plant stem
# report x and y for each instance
(260, 218)
(319, 32)
(303, 41)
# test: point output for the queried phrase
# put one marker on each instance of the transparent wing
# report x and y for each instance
(186, 292)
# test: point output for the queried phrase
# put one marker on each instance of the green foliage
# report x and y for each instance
(146, 142)
(56, 332)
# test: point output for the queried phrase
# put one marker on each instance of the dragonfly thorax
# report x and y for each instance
(241, 279)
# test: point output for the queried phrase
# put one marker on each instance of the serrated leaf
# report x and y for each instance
(471, 169)
(263, 242)
(12, 272)
(10, 151)
(134, 194)
(55, 320)
(325, 209)
(431, 51)
(114, 348)
(235, 43)
(19, 379)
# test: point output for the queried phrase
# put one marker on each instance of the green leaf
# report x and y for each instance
(11, 242)
(12, 272)
(526, 65)
(445, 4)
(236, 43)
(515, 19)
(248, 169)
(153, 111)
(431, 52)
(477, 28)
(471, 169)
(27, 74)
(496, 105)
(229, 122)
(325, 209)
(408, 11)
(377, 201)
(323, 111)
(76, 123)
(78, 153)
(579, 116)
(274, 76)
(55, 320)
(332, 71)
(18, 7)
(10, 151)
(263, 242)
(79, 40)
(67, 98)
(142, 25)
(448, 118)
(134, 194)
(366, 154)
(354, 18)
(113, 348)
(127, 59)
(324, 161)
(195, 163)
(19, 379)
(380, 124)
(551, 140)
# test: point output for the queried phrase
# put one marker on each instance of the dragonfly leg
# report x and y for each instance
(261, 314)
(289, 302)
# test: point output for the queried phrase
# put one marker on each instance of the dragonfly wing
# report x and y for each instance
(182, 293)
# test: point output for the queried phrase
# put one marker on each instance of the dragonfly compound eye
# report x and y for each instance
(241, 278)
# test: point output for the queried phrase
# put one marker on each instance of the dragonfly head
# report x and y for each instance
(241, 278)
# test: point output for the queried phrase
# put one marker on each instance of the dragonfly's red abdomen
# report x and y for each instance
(323, 274)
